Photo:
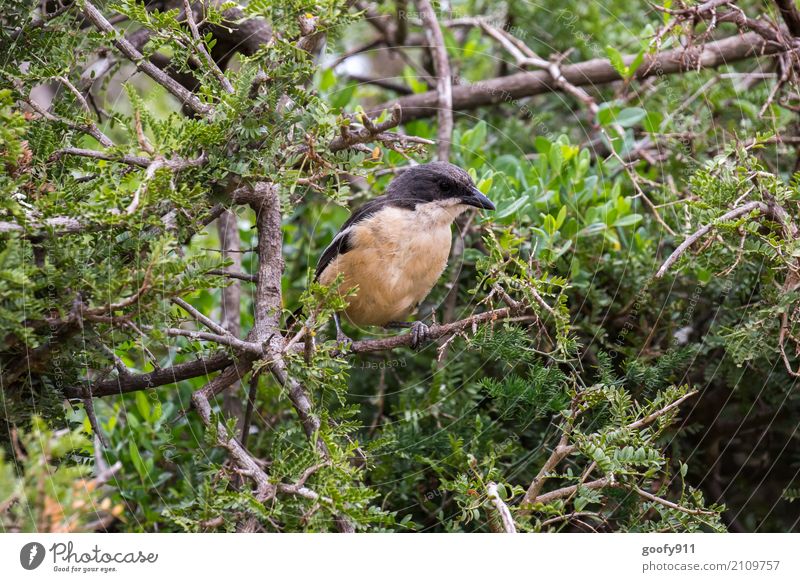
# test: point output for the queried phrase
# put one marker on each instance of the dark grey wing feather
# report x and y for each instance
(340, 245)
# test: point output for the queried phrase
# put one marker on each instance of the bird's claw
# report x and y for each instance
(345, 343)
(420, 335)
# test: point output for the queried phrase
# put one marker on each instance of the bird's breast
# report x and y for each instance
(395, 259)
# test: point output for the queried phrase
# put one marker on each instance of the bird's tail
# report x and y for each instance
(294, 318)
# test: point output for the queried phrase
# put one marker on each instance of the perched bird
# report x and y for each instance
(394, 248)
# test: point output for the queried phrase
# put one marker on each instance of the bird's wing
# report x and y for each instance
(342, 242)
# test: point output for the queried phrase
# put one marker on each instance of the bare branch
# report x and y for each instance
(670, 504)
(231, 305)
(572, 489)
(500, 509)
(444, 82)
(561, 452)
(790, 15)
(523, 55)
(436, 331)
(249, 467)
(154, 167)
(124, 384)
(700, 233)
(131, 160)
(594, 72)
(224, 340)
(88, 128)
(60, 224)
(209, 323)
(652, 417)
(233, 275)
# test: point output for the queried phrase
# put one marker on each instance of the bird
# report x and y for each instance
(393, 249)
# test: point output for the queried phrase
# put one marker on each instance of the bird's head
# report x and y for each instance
(439, 188)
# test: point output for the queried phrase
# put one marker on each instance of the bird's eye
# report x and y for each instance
(445, 186)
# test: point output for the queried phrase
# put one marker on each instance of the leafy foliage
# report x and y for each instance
(648, 390)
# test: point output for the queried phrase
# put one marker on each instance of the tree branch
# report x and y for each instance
(593, 72)
(790, 15)
(500, 509)
(183, 95)
(564, 449)
(670, 504)
(701, 232)
(444, 83)
(200, 46)
(436, 331)
(124, 384)
(209, 323)
(572, 489)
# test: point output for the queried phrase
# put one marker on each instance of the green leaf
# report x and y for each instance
(511, 208)
(628, 220)
(474, 139)
(635, 63)
(562, 215)
(136, 459)
(630, 116)
(617, 61)
(143, 406)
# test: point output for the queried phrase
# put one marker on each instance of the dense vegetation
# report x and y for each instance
(616, 346)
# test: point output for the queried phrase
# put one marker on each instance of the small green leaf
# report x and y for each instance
(136, 459)
(617, 61)
(630, 116)
(511, 208)
(562, 215)
(628, 220)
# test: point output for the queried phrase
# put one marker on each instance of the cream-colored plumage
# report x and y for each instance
(397, 257)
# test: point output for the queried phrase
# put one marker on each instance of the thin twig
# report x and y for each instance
(209, 323)
(200, 46)
(444, 82)
(670, 504)
(700, 233)
(183, 95)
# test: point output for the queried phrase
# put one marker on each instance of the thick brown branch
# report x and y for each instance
(593, 72)
(161, 377)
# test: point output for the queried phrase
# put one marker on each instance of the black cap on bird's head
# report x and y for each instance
(437, 182)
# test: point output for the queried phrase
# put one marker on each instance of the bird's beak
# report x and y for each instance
(477, 199)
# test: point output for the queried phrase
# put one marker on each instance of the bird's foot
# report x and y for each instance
(344, 341)
(420, 332)
(420, 335)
